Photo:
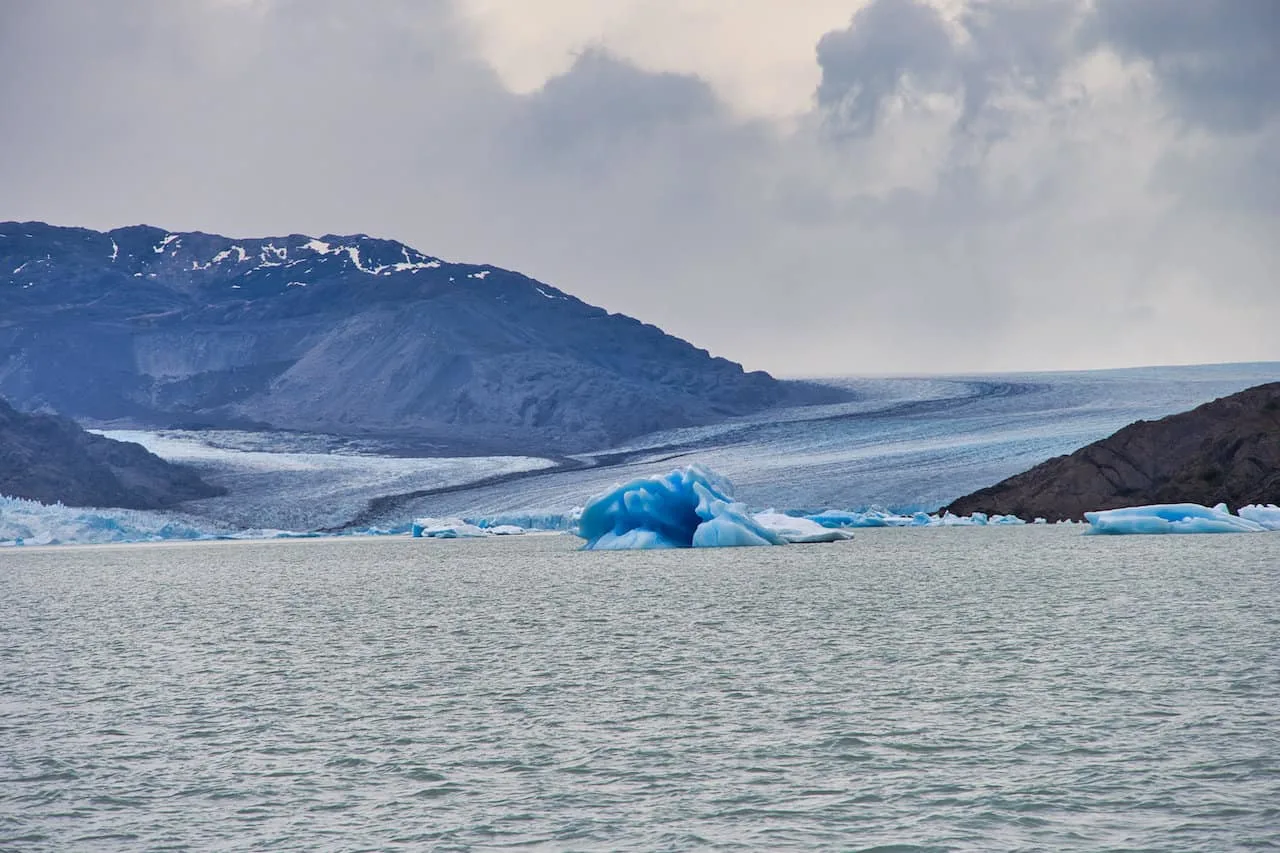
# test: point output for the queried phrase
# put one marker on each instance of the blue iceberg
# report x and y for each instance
(689, 508)
(1170, 518)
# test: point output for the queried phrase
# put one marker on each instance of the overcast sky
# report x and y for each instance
(808, 187)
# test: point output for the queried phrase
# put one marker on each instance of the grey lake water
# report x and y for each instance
(911, 690)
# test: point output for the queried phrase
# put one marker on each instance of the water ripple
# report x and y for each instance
(916, 691)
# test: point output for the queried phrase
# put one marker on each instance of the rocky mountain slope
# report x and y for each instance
(342, 334)
(51, 459)
(1226, 451)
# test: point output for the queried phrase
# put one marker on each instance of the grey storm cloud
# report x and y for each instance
(885, 42)
(1219, 62)
(991, 189)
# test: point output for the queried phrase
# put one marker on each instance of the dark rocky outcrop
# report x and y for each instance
(349, 335)
(51, 459)
(1226, 451)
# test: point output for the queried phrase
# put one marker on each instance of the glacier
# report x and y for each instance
(1177, 518)
(905, 447)
(906, 444)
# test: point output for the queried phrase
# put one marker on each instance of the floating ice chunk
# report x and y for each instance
(1267, 515)
(978, 519)
(446, 528)
(870, 518)
(690, 507)
(457, 528)
(1170, 518)
(882, 518)
(799, 530)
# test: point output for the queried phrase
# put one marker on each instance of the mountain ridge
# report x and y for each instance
(51, 459)
(348, 334)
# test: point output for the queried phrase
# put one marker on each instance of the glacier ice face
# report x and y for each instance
(543, 521)
(1170, 518)
(689, 508)
(26, 522)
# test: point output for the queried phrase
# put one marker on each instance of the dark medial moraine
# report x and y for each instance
(52, 459)
(1226, 451)
(349, 335)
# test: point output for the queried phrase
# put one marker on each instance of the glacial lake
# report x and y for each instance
(911, 690)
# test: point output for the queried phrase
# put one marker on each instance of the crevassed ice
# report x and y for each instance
(26, 522)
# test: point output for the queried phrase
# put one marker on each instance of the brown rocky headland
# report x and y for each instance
(1226, 451)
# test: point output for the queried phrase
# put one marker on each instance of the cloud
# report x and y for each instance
(1219, 62)
(1000, 184)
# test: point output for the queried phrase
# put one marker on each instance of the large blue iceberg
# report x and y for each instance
(1174, 518)
(689, 508)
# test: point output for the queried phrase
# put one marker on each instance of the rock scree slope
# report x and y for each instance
(342, 334)
(1226, 451)
(52, 459)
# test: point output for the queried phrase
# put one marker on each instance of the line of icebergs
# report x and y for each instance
(690, 507)
(694, 507)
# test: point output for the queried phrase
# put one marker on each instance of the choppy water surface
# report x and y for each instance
(1023, 689)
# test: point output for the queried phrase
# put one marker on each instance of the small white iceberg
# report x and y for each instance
(458, 528)
(446, 528)
(799, 530)
(1268, 515)
(1176, 518)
